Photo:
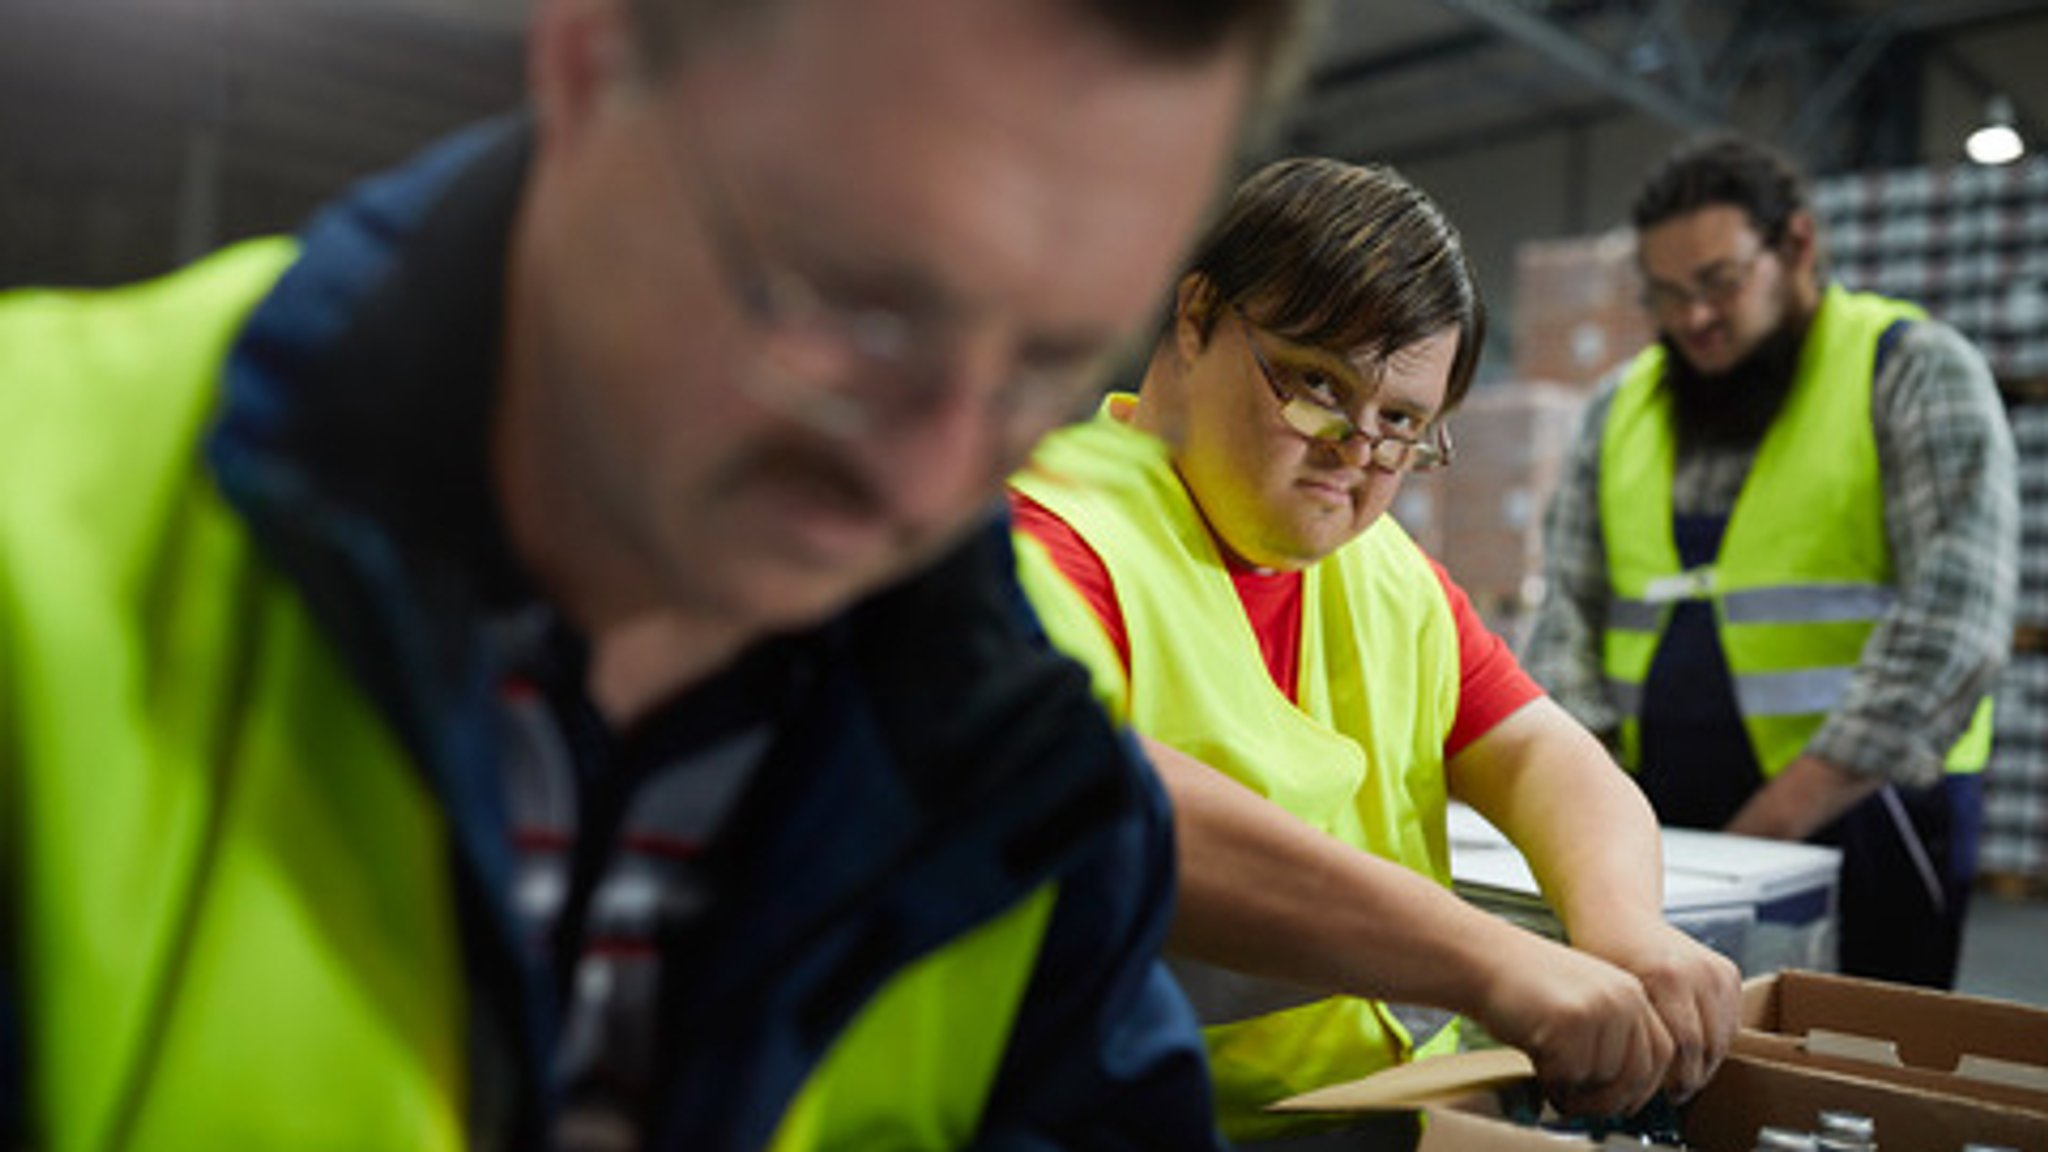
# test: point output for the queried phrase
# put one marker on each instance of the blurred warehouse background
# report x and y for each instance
(135, 134)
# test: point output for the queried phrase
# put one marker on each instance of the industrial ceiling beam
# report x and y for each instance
(1367, 69)
(1751, 42)
(1588, 62)
(1933, 16)
(1866, 41)
(1491, 137)
(1807, 31)
(1667, 25)
(1820, 106)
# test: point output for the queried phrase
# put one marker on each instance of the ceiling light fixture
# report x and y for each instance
(1997, 141)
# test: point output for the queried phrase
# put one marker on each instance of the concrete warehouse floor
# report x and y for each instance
(2004, 944)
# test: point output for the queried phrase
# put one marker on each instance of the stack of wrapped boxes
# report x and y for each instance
(1512, 442)
(1577, 317)
(1971, 245)
(2015, 846)
(1578, 308)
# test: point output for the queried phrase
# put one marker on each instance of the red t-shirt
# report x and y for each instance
(1491, 683)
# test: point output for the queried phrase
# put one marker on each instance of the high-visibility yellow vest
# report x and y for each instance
(226, 889)
(1804, 572)
(1360, 757)
(915, 1067)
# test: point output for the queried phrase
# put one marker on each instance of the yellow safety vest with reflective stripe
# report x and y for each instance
(225, 888)
(1804, 572)
(1360, 757)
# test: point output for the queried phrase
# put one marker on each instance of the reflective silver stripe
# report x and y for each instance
(1808, 604)
(1221, 996)
(1691, 584)
(1634, 616)
(1627, 696)
(1764, 694)
(1792, 693)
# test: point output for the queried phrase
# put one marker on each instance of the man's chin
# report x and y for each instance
(778, 602)
(781, 597)
(1710, 362)
(781, 590)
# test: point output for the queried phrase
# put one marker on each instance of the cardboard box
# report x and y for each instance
(1747, 1093)
(1470, 1129)
(1512, 440)
(1957, 1046)
(1577, 310)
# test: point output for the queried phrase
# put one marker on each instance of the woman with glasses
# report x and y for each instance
(1313, 688)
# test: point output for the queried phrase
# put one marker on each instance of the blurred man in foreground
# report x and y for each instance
(526, 664)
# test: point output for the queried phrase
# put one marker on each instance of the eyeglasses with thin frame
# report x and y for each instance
(1325, 423)
(1716, 287)
(848, 367)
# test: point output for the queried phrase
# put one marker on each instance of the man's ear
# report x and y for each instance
(577, 50)
(1801, 246)
(1196, 304)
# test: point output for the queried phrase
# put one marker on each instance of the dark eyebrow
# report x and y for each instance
(846, 264)
(883, 280)
(862, 278)
(1391, 401)
(1723, 264)
(1297, 354)
(1395, 401)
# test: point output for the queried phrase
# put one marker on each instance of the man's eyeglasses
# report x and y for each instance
(1715, 287)
(1326, 423)
(848, 367)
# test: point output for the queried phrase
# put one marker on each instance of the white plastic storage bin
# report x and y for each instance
(1764, 904)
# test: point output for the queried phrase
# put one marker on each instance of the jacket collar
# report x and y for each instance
(343, 405)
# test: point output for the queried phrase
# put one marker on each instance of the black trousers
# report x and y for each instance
(1908, 856)
(1907, 869)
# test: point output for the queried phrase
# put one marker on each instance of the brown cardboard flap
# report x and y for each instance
(1435, 1080)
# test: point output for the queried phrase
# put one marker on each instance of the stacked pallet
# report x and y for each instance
(1971, 245)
